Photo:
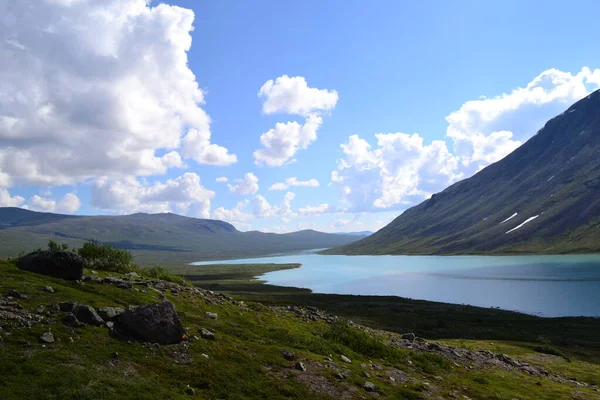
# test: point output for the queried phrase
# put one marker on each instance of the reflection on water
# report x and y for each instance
(547, 285)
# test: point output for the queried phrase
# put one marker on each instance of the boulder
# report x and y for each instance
(211, 315)
(288, 355)
(58, 264)
(47, 337)
(409, 336)
(48, 289)
(110, 313)
(87, 315)
(154, 323)
(370, 387)
(206, 334)
(71, 320)
(300, 366)
(16, 295)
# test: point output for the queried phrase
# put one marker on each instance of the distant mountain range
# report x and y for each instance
(360, 233)
(154, 238)
(544, 197)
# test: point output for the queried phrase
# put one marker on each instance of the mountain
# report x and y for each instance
(544, 197)
(154, 238)
(360, 233)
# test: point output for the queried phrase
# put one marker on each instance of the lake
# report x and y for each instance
(550, 286)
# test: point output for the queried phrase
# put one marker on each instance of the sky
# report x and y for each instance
(276, 116)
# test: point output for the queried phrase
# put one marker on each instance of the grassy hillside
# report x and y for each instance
(551, 184)
(167, 239)
(245, 360)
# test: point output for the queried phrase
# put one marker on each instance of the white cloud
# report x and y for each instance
(294, 182)
(69, 204)
(94, 88)
(235, 214)
(222, 179)
(317, 210)
(403, 170)
(182, 194)
(248, 185)
(262, 209)
(282, 142)
(292, 95)
(6, 200)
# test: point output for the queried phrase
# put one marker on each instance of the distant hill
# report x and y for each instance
(154, 238)
(360, 233)
(542, 198)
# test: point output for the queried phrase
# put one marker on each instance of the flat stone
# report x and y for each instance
(48, 289)
(47, 337)
(206, 334)
(16, 295)
(87, 315)
(211, 315)
(288, 355)
(345, 359)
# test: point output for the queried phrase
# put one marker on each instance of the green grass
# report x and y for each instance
(244, 362)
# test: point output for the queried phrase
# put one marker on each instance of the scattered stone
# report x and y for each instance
(39, 310)
(16, 295)
(409, 336)
(345, 359)
(340, 375)
(131, 275)
(205, 356)
(110, 325)
(110, 313)
(211, 315)
(300, 366)
(365, 374)
(71, 320)
(58, 264)
(48, 289)
(87, 315)
(377, 367)
(206, 334)
(288, 355)
(47, 337)
(154, 323)
(71, 340)
(370, 387)
(115, 355)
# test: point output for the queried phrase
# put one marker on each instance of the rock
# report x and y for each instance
(370, 387)
(205, 356)
(124, 285)
(154, 323)
(300, 366)
(340, 375)
(131, 275)
(345, 359)
(48, 289)
(110, 325)
(71, 320)
(409, 336)
(58, 264)
(16, 295)
(66, 307)
(206, 334)
(47, 337)
(211, 315)
(288, 355)
(110, 313)
(87, 315)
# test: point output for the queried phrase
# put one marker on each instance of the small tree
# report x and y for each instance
(53, 247)
(106, 257)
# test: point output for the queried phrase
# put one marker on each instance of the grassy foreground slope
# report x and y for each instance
(543, 198)
(244, 362)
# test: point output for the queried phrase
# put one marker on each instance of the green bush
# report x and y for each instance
(159, 272)
(106, 257)
(55, 247)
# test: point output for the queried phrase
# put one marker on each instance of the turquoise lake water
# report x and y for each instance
(551, 286)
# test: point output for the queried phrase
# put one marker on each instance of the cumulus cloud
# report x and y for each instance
(222, 179)
(248, 185)
(6, 200)
(403, 170)
(262, 209)
(291, 95)
(182, 194)
(312, 211)
(282, 142)
(235, 214)
(69, 204)
(293, 181)
(94, 88)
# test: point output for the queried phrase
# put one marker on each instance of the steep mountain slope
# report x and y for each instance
(168, 239)
(542, 198)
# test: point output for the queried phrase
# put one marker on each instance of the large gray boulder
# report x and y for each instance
(154, 323)
(58, 264)
(87, 315)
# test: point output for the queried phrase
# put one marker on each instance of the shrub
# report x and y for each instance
(106, 257)
(54, 247)
(159, 272)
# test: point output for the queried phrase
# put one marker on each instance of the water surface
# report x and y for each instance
(552, 286)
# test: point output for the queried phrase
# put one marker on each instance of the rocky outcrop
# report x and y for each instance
(154, 323)
(58, 264)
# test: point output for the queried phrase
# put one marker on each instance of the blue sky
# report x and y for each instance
(385, 67)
